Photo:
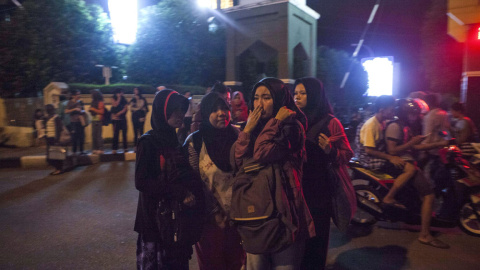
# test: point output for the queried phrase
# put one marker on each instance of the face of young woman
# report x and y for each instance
(236, 100)
(176, 119)
(300, 96)
(264, 99)
(219, 118)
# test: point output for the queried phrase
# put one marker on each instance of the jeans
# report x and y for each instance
(117, 126)
(287, 259)
(97, 139)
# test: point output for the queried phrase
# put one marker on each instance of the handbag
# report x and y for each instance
(57, 152)
(65, 137)
(344, 202)
(263, 209)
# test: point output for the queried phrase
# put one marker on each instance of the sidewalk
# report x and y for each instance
(35, 157)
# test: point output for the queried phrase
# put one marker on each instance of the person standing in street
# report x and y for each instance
(76, 110)
(139, 110)
(326, 146)
(274, 134)
(171, 201)
(97, 109)
(53, 128)
(209, 154)
(119, 120)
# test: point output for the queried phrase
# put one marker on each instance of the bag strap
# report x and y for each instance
(315, 129)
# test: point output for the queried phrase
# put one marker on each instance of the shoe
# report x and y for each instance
(435, 243)
(57, 172)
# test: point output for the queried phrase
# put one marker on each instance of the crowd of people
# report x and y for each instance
(295, 130)
(187, 164)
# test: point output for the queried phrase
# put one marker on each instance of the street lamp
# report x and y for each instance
(106, 72)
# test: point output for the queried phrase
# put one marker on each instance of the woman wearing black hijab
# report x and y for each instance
(326, 143)
(209, 154)
(274, 134)
(168, 188)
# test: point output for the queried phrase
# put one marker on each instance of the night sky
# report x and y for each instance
(394, 32)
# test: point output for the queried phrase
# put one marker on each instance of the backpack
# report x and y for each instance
(107, 117)
(262, 208)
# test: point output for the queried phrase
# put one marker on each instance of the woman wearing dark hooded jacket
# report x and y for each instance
(209, 153)
(274, 134)
(166, 183)
(328, 145)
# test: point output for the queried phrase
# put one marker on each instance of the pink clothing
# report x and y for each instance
(340, 142)
(278, 140)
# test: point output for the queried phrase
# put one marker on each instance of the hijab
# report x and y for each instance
(281, 97)
(164, 104)
(218, 141)
(317, 102)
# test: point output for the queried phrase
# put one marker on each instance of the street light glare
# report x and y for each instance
(123, 14)
(207, 3)
(380, 75)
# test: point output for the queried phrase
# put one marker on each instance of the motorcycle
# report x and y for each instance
(371, 187)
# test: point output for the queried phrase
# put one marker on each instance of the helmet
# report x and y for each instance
(404, 107)
(424, 109)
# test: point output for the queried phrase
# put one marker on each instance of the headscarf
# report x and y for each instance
(281, 97)
(317, 102)
(242, 106)
(217, 141)
(164, 104)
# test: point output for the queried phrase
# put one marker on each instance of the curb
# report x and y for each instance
(40, 161)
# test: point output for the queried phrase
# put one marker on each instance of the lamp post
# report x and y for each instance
(370, 51)
(106, 72)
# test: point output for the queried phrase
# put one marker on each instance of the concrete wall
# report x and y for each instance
(280, 25)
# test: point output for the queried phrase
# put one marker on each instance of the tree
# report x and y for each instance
(175, 46)
(58, 40)
(331, 67)
(442, 56)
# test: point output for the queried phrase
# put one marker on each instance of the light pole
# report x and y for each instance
(106, 72)
(370, 51)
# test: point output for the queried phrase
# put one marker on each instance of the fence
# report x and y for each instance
(19, 111)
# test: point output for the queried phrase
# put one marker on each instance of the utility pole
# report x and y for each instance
(360, 43)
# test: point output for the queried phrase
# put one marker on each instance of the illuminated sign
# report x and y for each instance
(380, 75)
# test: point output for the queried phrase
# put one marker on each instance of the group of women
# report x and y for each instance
(275, 131)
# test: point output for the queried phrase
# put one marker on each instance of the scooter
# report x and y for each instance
(371, 187)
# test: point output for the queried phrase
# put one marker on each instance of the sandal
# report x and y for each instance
(435, 243)
(56, 173)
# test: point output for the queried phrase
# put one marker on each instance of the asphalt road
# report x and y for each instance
(83, 219)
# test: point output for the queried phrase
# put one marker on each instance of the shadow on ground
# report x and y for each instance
(372, 258)
(338, 238)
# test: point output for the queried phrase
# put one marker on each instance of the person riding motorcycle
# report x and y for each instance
(373, 147)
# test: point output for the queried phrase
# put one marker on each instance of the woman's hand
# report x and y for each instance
(284, 113)
(324, 143)
(252, 120)
(189, 199)
(220, 220)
